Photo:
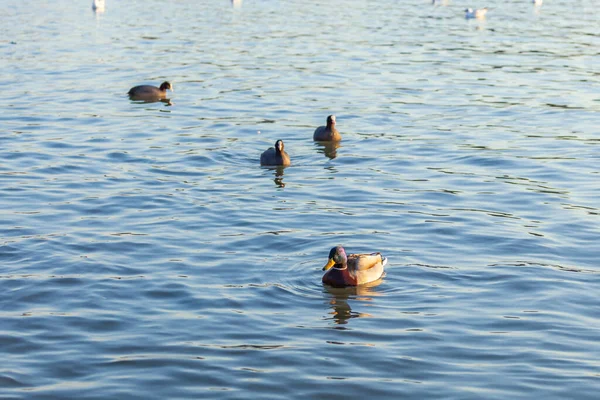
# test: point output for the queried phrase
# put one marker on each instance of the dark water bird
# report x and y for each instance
(327, 133)
(149, 93)
(275, 156)
(354, 269)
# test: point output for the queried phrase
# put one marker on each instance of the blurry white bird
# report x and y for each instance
(98, 5)
(537, 2)
(478, 13)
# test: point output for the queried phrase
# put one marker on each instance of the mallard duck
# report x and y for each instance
(275, 155)
(478, 13)
(327, 133)
(150, 93)
(354, 269)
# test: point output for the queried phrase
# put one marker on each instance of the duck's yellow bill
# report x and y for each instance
(329, 264)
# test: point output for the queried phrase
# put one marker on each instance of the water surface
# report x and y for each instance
(146, 254)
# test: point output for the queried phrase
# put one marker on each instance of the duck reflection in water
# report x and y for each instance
(328, 148)
(277, 173)
(279, 177)
(341, 310)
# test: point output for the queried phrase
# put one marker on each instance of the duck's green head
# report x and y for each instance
(337, 255)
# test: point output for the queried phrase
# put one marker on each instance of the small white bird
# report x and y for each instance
(98, 5)
(478, 13)
(537, 2)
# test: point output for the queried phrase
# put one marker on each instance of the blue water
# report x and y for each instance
(145, 254)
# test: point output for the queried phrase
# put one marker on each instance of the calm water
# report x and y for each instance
(145, 254)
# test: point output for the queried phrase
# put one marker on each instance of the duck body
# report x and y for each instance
(327, 133)
(275, 156)
(478, 13)
(150, 93)
(354, 269)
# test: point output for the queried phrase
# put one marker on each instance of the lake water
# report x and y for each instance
(145, 254)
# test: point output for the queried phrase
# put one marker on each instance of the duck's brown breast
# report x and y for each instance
(339, 277)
